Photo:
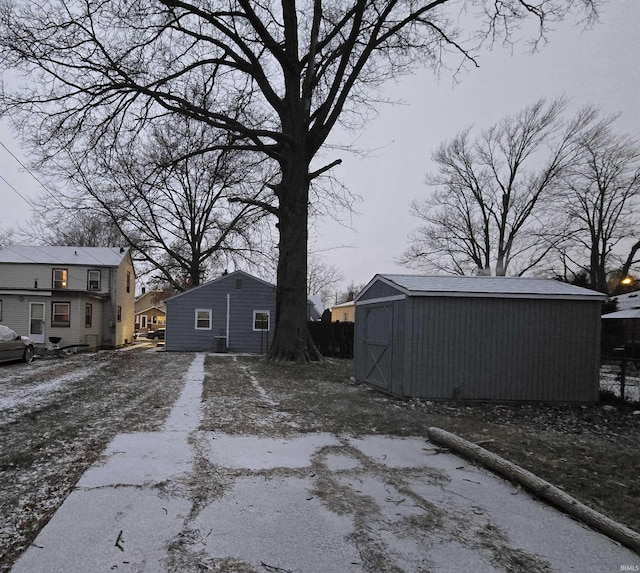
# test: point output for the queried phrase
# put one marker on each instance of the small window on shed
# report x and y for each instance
(203, 319)
(238, 284)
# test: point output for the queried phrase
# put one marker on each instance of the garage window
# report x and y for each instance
(203, 319)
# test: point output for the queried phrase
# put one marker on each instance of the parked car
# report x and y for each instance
(14, 347)
(159, 334)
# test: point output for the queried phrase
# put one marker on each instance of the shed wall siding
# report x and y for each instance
(503, 349)
(379, 289)
(181, 334)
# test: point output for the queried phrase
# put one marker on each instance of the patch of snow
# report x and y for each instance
(15, 397)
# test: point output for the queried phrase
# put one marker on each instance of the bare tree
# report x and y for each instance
(322, 278)
(277, 76)
(600, 199)
(490, 212)
(181, 210)
(56, 224)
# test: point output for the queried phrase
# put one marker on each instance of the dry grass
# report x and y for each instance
(49, 438)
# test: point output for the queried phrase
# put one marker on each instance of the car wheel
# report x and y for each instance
(28, 354)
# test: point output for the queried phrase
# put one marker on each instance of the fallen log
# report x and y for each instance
(539, 487)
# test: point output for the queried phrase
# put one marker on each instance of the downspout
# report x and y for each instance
(228, 315)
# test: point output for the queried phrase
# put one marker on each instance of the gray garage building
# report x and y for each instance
(478, 338)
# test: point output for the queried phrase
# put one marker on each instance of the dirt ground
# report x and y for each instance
(56, 416)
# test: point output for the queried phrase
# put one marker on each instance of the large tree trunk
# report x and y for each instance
(292, 341)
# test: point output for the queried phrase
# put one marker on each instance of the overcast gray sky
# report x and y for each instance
(595, 66)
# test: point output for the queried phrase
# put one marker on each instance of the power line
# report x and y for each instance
(47, 191)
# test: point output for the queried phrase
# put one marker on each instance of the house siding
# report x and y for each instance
(26, 282)
(125, 299)
(181, 334)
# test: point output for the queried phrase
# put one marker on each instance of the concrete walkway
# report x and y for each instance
(184, 500)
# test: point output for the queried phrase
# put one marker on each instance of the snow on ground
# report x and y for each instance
(183, 499)
(21, 397)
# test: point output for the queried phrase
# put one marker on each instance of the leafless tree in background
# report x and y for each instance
(492, 207)
(276, 76)
(601, 200)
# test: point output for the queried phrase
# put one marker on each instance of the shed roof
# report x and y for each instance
(487, 287)
(56, 255)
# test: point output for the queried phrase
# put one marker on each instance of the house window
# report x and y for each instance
(239, 284)
(60, 314)
(143, 321)
(260, 320)
(128, 281)
(93, 280)
(154, 319)
(203, 319)
(60, 278)
(119, 313)
(88, 315)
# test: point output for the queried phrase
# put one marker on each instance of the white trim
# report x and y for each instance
(38, 338)
(381, 299)
(210, 313)
(38, 292)
(253, 323)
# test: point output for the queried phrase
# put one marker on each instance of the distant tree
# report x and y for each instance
(322, 277)
(182, 211)
(601, 193)
(55, 224)
(5, 237)
(490, 212)
(276, 76)
(352, 290)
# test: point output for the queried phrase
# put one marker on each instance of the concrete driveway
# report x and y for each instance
(185, 500)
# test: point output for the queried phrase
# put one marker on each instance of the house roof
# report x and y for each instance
(48, 255)
(487, 287)
(344, 304)
(156, 307)
(236, 274)
(627, 300)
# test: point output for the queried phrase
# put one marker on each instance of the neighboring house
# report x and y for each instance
(627, 301)
(151, 311)
(345, 312)
(79, 295)
(478, 338)
(315, 308)
(235, 312)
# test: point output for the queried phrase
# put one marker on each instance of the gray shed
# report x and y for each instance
(478, 338)
(234, 312)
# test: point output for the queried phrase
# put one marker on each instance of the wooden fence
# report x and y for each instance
(333, 339)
